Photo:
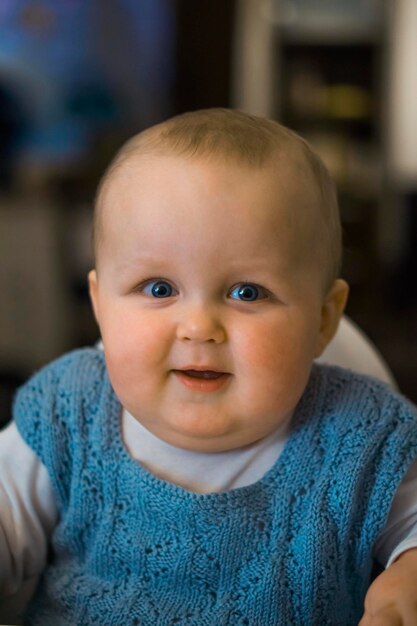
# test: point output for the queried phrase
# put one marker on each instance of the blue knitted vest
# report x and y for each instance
(292, 549)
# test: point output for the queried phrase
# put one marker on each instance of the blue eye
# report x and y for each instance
(247, 292)
(158, 289)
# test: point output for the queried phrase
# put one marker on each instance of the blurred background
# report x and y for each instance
(77, 77)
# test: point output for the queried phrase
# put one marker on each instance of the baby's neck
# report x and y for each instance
(202, 472)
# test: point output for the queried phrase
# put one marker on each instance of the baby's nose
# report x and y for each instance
(201, 324)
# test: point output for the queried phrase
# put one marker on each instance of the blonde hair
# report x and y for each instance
(243, 139)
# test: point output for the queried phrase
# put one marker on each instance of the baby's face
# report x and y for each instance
(207, 298)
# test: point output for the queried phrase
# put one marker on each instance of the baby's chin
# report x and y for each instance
(206, 440)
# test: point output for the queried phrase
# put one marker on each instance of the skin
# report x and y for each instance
(392, 598)
(206, 228)
(203, 229)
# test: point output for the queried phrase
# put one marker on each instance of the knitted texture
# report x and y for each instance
(292, 549)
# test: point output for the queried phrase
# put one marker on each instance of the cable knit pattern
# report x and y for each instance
(292, 549)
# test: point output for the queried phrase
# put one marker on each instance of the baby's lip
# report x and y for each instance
(209, 370)
(202, 378)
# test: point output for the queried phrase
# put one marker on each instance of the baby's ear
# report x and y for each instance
(93, 289)
(331, 312)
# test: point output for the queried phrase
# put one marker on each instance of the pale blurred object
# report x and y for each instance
(352, 349)
(402, 156)
(337, 20)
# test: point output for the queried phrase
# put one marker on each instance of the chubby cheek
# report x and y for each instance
(275, 361)
(136, 351)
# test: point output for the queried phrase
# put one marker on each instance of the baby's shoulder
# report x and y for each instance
(56, 406)
(74, 378)
(73, 369)
(360, 394)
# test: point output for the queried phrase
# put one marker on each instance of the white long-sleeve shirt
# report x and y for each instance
(28, 511)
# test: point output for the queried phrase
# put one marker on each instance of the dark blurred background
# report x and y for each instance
(77, 77)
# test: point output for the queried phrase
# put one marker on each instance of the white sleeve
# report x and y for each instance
(400, 533)
(28, 511)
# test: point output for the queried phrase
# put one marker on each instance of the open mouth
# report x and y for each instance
(202, 380)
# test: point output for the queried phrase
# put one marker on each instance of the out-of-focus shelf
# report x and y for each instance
(307, 22)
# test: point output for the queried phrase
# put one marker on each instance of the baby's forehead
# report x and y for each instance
(285, 178)
(289, 168)
(278, 195)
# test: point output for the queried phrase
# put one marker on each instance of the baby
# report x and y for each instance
(202, 470)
